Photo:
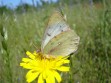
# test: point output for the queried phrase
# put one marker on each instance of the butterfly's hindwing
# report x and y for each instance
(63, 44)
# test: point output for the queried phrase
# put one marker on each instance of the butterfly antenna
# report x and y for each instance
(34, 45)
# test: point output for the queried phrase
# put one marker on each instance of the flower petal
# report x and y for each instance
(31, 75)
(63, 68)
(26, 60)
(26, 65)
(40, 79)
(45, 74)
(66, 61)
(30, 55)
(57, 76)
(44, 68)
(59, 63)
(50, 78)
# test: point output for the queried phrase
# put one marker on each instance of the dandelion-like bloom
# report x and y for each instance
(44, 69)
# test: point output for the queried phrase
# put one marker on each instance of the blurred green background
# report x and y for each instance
(22, 28)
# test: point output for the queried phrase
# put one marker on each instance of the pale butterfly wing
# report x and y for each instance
(63, 44)
(55, 26)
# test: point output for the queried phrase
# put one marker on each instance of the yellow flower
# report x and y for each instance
(43, 68)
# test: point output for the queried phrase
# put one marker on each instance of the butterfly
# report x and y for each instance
(59, 38)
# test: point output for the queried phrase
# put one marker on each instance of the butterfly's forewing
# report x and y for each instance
(55, 26)
(63, 44)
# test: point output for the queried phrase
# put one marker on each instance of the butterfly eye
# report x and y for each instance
(38, 51)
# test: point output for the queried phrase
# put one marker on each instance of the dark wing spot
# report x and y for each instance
(61, 30)
(76, 43)
(48, 34)
(75, 39)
